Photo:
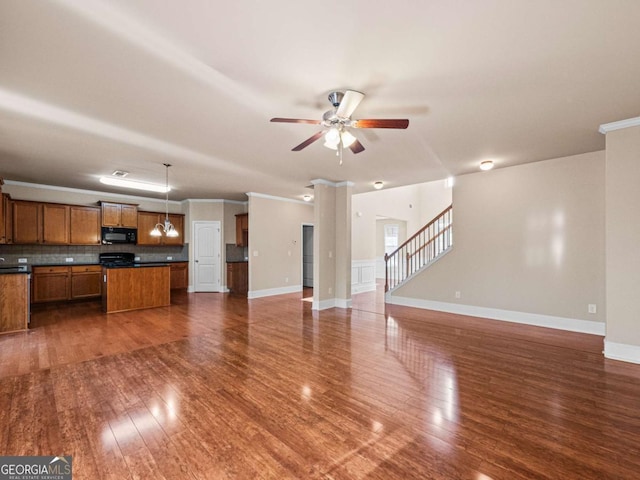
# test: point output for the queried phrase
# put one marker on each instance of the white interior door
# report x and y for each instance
(206, 254)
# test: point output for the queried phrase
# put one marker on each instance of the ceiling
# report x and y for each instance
(88, 87)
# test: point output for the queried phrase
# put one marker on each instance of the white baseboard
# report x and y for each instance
(191, 289)
(622, 352)
(268, 292)
(548, 321)
(331, 303)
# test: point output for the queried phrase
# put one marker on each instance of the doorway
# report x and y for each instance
(206, 256)
(307, 256)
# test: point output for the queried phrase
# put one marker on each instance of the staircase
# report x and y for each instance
(422, 249)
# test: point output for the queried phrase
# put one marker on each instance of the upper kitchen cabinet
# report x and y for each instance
(27, 221)
(119, 215)
(147, 222)
(55, 224)
(5, 218)
(85, 225)
(242, 229)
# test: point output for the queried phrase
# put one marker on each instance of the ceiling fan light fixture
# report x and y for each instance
(347, 139)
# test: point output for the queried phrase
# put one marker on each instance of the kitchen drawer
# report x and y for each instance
(86, 268)
(40, 270)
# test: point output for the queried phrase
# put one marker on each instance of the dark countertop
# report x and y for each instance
(237, 261)
(141, 265)
(80, 264)
(10, 269)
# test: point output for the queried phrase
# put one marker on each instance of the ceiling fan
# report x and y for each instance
(337, 123)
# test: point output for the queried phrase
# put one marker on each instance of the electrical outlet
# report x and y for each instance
(591, 308)
(169, 258)
(255, 253)
(136, 259)
(286, 279)
(457, 294)
(22, 260)
(330, 290)
(68, 259)
(330, 254)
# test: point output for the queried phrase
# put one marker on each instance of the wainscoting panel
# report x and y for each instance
(363, 275)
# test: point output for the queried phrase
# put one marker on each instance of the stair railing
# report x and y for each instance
(422, 248)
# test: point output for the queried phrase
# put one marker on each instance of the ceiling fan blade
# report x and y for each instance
(381, 123)
(356, 147)
(349, 103)
(295, 120)
(308, 141)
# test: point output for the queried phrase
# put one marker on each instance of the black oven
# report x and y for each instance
(112, 235)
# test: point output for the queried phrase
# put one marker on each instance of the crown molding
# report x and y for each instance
(280, 199)
(619, 125)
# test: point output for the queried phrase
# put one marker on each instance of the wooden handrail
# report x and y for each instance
(402, 262)
(428, 242)
(408, 240)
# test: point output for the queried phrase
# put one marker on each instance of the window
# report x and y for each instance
(390, 238)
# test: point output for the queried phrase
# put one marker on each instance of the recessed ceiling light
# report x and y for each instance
(378, 185)
(486, 165)
(121, 182)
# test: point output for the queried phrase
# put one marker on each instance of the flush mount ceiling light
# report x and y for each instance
(307, 197)
(378, 185)
(168, 228)
(116, 180)
(486, 165)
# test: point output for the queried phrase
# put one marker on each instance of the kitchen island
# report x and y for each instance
(135, 287)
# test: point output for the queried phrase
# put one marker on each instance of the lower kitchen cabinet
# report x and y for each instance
(59, 283)
(50, 284)
(14, 302)
(238, 277)
(86, 281)
(179, 275)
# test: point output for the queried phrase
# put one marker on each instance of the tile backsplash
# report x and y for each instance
(57, 254)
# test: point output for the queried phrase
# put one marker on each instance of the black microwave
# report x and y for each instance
(111, 235)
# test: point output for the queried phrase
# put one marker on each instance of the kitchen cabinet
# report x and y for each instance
(242, 229)
(147, 222)
(5, 218)
(26, 222)
(50, 284)
(179, 275)
(55, 224)
(135, 288)
(59, 283)
(238, 277)
(14, 302)
(86, 281)
(85, 225)
(119, 215)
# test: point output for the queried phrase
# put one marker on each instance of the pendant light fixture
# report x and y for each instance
(168, 228)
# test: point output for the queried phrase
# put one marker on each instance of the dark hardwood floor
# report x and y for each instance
(217, 387)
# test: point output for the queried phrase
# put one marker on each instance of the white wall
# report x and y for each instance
(527, 239)
(623, 244)
(414, 204)
(275, 234)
